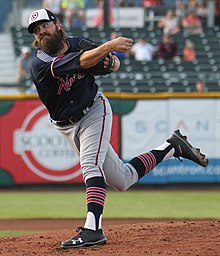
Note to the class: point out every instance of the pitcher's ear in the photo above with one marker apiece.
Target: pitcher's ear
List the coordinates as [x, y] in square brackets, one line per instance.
[58, 25]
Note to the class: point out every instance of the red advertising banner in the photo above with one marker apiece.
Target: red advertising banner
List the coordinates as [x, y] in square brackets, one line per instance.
[32, 151]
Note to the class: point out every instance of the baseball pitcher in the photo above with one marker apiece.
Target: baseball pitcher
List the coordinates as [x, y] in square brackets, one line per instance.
[63, 70]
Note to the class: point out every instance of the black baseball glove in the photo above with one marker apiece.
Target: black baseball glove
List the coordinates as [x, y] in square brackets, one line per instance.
[98, 69]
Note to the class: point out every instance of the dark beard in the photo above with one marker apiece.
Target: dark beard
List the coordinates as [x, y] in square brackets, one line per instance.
[52, 45]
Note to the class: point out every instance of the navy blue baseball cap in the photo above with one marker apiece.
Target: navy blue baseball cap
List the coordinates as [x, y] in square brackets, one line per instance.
[40, 15]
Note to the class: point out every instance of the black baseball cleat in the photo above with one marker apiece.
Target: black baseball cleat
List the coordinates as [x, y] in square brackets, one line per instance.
[184, 149]
[86, 237]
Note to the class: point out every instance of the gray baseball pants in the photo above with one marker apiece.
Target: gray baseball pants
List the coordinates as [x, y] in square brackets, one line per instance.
[90, 138]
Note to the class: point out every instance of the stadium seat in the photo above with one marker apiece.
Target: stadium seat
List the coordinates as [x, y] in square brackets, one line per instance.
[156, 75]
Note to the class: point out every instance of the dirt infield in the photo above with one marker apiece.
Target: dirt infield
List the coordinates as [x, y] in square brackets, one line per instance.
[125, 238]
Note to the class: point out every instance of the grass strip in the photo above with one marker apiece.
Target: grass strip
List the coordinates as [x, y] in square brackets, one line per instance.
[129, 204]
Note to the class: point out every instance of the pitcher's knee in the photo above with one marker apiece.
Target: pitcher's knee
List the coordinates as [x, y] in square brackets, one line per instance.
[90, 171]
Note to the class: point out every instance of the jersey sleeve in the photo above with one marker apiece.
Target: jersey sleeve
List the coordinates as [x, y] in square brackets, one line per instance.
[64, 64]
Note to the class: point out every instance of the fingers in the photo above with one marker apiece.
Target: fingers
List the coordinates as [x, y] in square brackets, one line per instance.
[127, 43]
[122, 44]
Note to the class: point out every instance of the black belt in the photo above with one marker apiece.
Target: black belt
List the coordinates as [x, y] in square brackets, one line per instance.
[72, 120]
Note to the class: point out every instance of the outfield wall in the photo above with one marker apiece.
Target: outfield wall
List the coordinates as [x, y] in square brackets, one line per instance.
[33, 152]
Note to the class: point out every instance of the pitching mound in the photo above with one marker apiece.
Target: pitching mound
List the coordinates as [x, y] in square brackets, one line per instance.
[173, 238]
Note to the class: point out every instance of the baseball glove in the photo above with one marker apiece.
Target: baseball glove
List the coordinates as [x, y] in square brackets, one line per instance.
[98, 69]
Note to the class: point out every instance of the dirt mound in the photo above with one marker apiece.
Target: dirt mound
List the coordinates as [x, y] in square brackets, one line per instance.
[173, 238]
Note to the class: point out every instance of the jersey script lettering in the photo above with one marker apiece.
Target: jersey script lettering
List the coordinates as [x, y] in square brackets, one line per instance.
[67, 83]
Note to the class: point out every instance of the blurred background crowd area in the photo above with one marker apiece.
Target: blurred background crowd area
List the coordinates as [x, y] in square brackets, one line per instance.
[176, 42]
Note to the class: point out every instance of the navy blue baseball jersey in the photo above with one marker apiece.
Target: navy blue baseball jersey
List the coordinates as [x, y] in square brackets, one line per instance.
[63, 87]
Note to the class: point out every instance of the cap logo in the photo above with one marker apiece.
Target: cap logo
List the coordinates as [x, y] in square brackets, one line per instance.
[34, 16]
